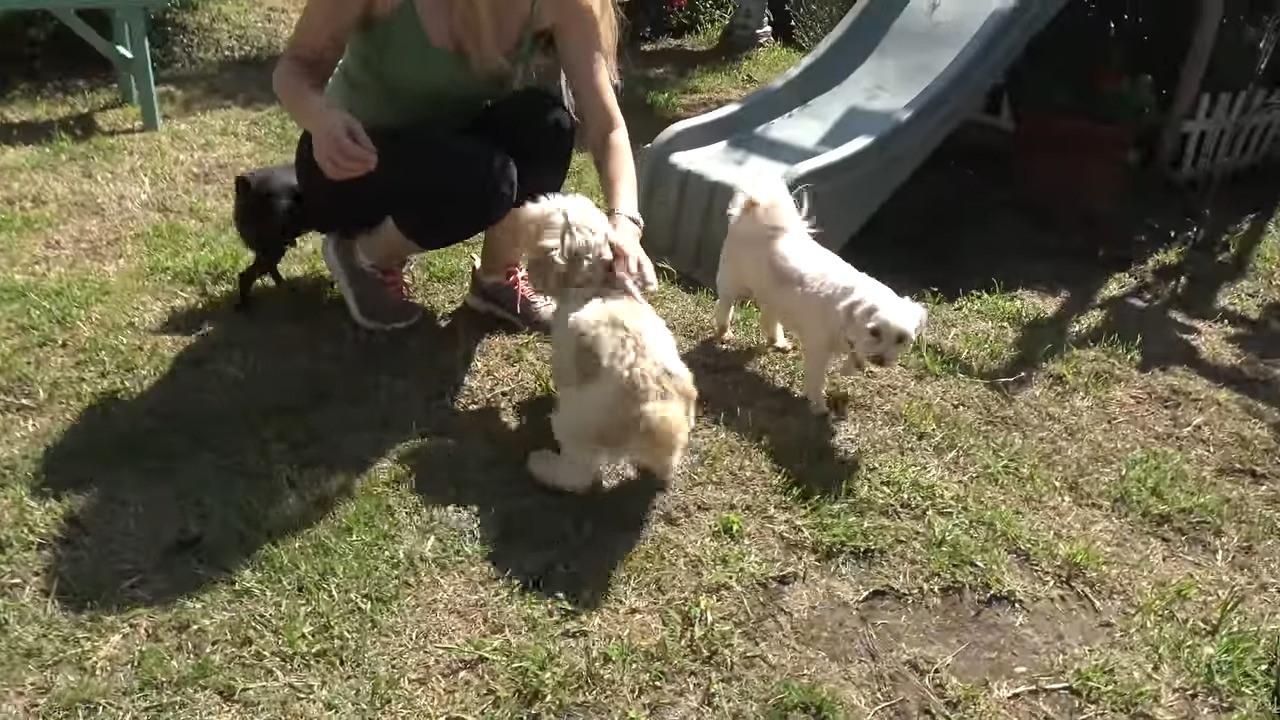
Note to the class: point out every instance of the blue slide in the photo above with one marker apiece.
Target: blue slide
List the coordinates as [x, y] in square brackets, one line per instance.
[849, 123]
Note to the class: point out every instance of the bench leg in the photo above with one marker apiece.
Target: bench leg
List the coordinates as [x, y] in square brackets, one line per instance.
[143, 76]
[120, 36]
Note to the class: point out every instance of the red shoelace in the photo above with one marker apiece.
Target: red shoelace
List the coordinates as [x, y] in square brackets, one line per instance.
[518, 278]
[393, 280]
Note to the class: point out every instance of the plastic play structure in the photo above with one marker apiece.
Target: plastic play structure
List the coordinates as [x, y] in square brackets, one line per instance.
[848, 124]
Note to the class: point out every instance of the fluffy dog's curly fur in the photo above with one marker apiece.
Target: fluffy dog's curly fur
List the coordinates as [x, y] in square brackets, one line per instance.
[834, 309]
[623, 392]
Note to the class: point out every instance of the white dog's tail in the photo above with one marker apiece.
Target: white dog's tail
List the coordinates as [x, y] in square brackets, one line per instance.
[772, 202]
[757, 191]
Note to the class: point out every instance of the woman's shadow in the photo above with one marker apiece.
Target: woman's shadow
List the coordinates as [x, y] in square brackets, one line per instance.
[559, 545]
[253, 432]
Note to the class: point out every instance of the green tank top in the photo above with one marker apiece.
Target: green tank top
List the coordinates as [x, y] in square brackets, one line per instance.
[392, 75]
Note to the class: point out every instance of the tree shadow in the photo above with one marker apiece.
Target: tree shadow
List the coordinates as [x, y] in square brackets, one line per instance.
[558, 545]
[1213, 257]
[1163, 341]
[1225, 250]
[253, 432]
[776, 418]
[1258, 337]
[959, 226]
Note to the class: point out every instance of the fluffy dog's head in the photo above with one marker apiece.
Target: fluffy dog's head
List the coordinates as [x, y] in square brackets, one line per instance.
[768, 202]
[879, 332]
[567, 243]
[268, 207]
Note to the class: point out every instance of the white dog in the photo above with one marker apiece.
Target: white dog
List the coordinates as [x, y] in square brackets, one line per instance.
[622, 391]
[770, 256]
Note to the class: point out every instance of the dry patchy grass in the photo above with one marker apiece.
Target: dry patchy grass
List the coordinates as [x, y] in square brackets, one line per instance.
[1055, 507]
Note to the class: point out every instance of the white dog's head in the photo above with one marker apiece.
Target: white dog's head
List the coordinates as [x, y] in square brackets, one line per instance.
[567, 242]
[879, 332]
[768, 202]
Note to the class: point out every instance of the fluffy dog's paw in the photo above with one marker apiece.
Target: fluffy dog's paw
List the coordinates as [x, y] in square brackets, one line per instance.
[723, 334]
[818, 407]
[542, 465]
[781, 345]
[838, 403]
[548, 471]
[852, 364]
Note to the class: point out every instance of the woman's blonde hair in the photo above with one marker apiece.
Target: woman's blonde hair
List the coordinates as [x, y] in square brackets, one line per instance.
[474, 21]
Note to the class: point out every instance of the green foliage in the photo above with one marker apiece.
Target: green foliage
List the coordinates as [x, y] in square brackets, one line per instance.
[36, 45]
[813, 19]
[693, 17]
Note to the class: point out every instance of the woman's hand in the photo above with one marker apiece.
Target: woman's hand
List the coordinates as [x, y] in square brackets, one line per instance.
[629, 257]
[342, 148]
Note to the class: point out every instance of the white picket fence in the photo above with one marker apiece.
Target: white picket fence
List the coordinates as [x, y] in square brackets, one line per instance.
[1210, 144]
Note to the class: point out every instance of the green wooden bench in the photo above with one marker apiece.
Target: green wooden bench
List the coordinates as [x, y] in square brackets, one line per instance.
[128, 49]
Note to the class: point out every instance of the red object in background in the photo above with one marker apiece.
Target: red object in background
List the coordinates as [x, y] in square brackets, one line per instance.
[676, 4]
[1071, 166]
[1108, 79]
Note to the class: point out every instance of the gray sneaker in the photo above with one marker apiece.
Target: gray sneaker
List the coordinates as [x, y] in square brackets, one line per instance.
[376, 298]
[512, 299]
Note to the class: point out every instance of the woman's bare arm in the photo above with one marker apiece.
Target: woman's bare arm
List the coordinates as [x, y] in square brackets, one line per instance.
[313, 51]
[582, 57]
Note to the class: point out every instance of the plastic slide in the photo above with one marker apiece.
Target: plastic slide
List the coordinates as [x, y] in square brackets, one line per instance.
[848, 124]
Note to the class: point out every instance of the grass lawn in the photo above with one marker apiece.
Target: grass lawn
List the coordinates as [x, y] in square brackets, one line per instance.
[1063, 504]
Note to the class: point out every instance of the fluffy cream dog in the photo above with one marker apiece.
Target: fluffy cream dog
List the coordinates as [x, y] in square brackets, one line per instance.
[622, 391]
[833, 309]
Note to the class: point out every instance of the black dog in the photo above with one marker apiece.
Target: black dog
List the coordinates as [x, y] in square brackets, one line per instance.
[270, 217]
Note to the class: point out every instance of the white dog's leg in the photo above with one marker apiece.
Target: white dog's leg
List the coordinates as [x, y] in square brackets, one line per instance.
[724, 316]
[771, 328]
[664, 468]
[572, 469]
[816, 361]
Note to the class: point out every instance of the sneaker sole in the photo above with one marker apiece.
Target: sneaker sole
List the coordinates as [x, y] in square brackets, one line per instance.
[344, 283]
[484, 306]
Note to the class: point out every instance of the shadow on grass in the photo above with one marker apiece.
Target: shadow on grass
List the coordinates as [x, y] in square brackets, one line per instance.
[76, 127]
[559, 545]
[776, 418]
[243, 82]
[959, 226]
[253, 432]
[1146, 316]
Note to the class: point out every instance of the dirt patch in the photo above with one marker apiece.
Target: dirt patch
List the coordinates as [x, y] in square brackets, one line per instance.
[921, 650]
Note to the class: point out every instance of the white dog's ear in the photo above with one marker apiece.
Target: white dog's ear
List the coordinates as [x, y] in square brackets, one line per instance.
[741, 202]
[859, 314]
[545, 270]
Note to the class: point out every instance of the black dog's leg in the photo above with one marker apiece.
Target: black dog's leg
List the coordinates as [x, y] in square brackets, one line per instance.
[248, 277]
[263, 264]
[269, 263]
